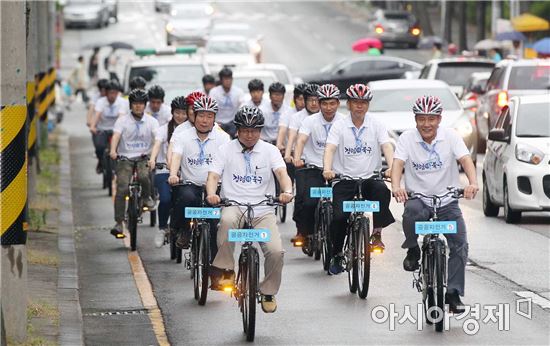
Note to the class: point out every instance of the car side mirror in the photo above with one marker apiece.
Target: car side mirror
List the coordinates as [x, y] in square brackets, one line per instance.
[498, 135]
[478, 89]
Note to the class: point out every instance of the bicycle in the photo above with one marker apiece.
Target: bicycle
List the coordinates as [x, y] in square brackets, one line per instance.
[107, 162]
[245, 289]
[432, 274]
[357, 248]
[321, 242]
[134, 209]
[199, 258]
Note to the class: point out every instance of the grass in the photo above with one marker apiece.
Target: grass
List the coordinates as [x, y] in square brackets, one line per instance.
[38, 309]
[41, 258]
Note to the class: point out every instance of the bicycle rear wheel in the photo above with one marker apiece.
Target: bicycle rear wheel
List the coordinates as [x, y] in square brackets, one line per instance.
[325, 236]
[203, 262]
[316, 243]
[363, 256]
[133, 221]
[351, 247]
[173, 247]
[250, 294]
[439, 285]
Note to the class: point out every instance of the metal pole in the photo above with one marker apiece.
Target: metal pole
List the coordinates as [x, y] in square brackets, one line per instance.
[13, 180]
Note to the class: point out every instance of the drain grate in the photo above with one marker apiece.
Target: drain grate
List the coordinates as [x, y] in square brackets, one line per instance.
[116, 313]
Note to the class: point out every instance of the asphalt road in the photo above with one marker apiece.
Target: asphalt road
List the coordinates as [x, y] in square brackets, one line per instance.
[506, 261]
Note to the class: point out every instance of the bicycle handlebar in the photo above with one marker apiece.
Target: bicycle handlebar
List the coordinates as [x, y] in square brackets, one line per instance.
[135, 159]
[453, 192]
[377, 175]
[270, 201]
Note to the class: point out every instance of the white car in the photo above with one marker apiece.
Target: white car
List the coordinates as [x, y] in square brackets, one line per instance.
[190, 23]
[516, 171]
[178, 73]
[393, 100]
[241, 29]
[228, 50]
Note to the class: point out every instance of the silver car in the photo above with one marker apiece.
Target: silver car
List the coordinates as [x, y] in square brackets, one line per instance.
[92, 13]
[392, 105]
[516, 171]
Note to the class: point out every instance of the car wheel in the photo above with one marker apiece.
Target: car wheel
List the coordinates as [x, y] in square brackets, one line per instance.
[489, 208]
[510, 215]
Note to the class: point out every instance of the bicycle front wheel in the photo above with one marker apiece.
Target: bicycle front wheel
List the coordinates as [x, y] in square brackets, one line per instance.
[203, 262]
[326, 220]
[351, 246]
[439, 284]
[363, 256]
[250, 294]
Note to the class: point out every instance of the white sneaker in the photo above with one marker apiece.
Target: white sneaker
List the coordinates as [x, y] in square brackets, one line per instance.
[159, 238]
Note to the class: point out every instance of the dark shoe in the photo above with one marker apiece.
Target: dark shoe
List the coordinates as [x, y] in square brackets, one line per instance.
[99, 167]
[183, 241]
[336, 265]
[269, 304]
[410, 263]
[455, 304]
[117, 232]
[376, 244]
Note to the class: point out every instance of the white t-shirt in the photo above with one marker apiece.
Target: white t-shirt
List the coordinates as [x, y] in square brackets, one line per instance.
[137, 137]
[161, 135]
[317, 129]
[271, 121]
[194, 165]
[285, 118]
[358, 153]
[248, 102]
[431, 168]
[110, 112]
[248, 183]
[163, 116]
[297, 118]
[228, 103]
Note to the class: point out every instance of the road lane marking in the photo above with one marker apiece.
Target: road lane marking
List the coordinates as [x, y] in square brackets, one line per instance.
[535, 298]
[146, 293]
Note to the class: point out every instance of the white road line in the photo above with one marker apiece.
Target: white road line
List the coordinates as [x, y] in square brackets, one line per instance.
[535, 298]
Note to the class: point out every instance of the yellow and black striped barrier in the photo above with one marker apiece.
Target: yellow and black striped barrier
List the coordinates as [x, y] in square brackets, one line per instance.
[13, 179]
[31, 116]
[50, 98]
[42, 96]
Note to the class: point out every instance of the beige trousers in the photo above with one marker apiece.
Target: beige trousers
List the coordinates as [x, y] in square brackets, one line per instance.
[232, 218]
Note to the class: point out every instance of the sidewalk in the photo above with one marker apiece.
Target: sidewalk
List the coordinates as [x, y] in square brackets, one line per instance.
[53, 311]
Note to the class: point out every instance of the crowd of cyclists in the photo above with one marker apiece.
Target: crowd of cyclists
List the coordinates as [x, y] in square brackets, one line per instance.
[213, 140]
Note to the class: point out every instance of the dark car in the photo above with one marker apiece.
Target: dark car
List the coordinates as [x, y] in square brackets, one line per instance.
[348, 71]
[397, 27]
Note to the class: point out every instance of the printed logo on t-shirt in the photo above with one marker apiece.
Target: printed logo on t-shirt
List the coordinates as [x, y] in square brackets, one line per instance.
[363, 149]
[431, 165]
[200, 161]
[248, 179]
[136, 145]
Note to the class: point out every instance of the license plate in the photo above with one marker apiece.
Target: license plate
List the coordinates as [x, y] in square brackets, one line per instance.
[202, 213]
[240, 235]
[361, 206]
[436, 227]
[320, 192]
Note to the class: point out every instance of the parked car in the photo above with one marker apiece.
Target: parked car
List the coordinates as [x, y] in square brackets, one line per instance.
[89, 13]
[228, 50]
[189, 23]
[392, 104]
[477, 81]
[398, 27]
[163, 6]
[113, 9]
[509, 78]
[348, 71]
[241, 29]
[176, 70]
[455, 71]
[516, 174]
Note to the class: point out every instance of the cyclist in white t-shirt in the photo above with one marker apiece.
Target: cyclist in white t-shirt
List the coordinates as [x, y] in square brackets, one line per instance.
[133, 138]
[156, 107]
[354, 148]
[310, 148]
[256, 91]
[107, 111]
[229, 99]
[299, 104]
[273, 111]
[158, 159]
[429, 156]
[247, 170]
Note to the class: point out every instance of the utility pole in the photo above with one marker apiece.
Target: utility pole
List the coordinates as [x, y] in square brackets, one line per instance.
[13, 180]
[32, 119]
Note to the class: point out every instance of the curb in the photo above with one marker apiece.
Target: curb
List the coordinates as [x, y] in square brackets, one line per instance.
[70, 321]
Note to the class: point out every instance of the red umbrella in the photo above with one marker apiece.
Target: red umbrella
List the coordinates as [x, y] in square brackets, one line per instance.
[364, 44]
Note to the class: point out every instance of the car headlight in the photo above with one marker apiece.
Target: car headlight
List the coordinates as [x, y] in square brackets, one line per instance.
[464, 126]
[529, 154]
[169, 27]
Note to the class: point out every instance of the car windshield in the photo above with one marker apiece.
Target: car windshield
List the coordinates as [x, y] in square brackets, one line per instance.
[228, 47]
[458, 74]
[170, 74]
[401, 100]
[192, 12]
[533, 120]
[242, 82]
[529, 77]
[404, 18]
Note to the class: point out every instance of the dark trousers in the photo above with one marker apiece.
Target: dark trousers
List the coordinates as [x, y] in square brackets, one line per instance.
[82, 91]
[165, 198]
[372, 190]
[416, 210]
[101, 140]
[304, 205]
[190, 196]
